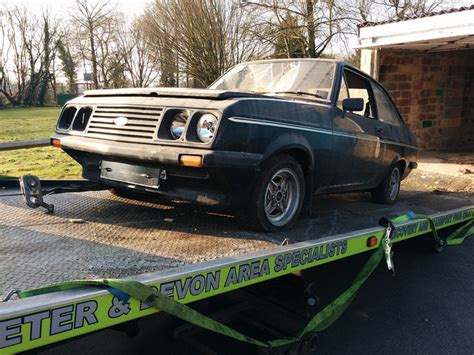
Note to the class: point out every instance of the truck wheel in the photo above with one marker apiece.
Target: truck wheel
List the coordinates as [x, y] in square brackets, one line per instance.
[388, 190]
[278, 194]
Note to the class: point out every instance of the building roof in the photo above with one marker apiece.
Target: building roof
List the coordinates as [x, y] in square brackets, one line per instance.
[437, 31]
[429, 14]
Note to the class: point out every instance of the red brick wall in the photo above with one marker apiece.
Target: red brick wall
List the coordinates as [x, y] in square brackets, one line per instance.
[436, 87]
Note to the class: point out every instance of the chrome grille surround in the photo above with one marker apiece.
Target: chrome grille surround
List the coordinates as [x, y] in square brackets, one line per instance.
[141, 124]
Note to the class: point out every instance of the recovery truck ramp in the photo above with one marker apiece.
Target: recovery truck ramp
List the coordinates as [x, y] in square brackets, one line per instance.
[171, 246]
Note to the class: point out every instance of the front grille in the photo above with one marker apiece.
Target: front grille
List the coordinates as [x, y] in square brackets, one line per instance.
[140, 128]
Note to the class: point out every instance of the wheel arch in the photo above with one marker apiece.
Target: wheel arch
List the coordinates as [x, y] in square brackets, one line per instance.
[294, 145]
[301, 155]
[403, 165]
[401, 161]
[299, 149]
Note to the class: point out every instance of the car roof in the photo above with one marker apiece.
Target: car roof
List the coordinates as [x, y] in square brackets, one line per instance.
[295, 60]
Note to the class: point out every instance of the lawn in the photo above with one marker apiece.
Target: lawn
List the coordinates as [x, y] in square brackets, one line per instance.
[30, 123]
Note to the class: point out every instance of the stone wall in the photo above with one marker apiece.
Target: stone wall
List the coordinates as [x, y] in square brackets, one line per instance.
[434, 93]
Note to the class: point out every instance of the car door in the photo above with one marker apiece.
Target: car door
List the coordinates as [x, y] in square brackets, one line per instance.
[389, 126]
[355, 143]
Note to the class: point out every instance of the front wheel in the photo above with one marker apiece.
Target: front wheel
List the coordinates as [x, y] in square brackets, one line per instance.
[278, 195]
[388, 190]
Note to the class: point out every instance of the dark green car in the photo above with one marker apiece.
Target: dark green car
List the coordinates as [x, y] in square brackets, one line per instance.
[263, 138]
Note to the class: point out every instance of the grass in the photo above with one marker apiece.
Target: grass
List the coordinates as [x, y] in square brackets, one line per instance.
[27, 123]
[30, 123]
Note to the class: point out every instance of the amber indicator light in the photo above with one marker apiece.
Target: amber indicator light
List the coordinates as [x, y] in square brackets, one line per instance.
[191, 160]
[372, 241]
[56, 143]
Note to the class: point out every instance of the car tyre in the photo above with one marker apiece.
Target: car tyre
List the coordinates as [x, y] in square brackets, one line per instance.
[124, 193]
[278, 195]
[132, 195]
[388, 190]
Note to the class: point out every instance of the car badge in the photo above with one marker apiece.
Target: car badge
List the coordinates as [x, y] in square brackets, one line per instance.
[121, 121]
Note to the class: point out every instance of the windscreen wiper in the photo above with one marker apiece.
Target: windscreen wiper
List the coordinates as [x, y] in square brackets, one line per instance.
[300, 93]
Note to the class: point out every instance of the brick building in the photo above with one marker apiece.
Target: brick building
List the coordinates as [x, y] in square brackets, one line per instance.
[427, 65]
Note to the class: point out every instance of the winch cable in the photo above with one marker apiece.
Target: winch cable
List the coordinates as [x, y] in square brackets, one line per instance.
[125, 289]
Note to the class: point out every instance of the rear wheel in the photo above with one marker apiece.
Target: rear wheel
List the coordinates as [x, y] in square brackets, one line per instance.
[278, 195]
[388, 190]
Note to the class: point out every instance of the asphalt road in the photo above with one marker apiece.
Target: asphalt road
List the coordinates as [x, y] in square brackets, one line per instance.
[427, 308]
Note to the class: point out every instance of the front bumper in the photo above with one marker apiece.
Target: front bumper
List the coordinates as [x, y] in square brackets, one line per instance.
[168, 155]
[225, 178]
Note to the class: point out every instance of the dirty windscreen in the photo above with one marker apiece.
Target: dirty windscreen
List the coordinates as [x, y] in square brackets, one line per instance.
[305, 77]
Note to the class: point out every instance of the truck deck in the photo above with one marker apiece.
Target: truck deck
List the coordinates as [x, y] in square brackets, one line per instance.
[181, 250]
[99, 235]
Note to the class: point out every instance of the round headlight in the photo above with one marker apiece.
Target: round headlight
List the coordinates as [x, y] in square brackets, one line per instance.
[206, 127]
[177, 125]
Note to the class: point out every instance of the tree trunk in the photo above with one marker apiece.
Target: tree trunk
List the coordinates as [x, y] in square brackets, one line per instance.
[43, 88]
[311, 28]
[28, 100]
[11, 99]
[93, 58]
[45, 65]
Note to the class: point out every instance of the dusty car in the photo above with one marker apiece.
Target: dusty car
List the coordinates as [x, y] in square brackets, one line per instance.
[264, 138]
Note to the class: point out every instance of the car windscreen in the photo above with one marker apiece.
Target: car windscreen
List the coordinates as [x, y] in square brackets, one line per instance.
[304, 77]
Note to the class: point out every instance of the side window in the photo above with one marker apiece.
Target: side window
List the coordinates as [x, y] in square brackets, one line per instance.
[386, 112]
[359, 87]
[343, 93]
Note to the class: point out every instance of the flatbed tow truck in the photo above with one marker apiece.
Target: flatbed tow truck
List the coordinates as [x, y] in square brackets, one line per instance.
[187, 252]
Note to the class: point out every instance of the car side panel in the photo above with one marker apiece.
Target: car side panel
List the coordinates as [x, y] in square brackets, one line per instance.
[357, 150]
[271, 126]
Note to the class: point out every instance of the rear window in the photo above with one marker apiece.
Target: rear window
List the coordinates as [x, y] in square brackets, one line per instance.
[386, 111]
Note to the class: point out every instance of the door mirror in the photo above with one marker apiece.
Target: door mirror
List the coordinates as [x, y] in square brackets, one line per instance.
[355, 104]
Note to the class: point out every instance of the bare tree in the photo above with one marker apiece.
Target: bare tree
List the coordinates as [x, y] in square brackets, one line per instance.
[30, 39]
[68, 63]
[28, 48]
[136, 55]
[13, 64]
[401, 9]
[98, 29]
[313, 23]
[383, 10]
[289, 39]
[21, 53]
[364, 10]
[46, 76]
[201, 38]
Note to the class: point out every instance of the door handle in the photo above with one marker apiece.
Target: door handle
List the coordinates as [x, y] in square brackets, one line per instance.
[379, 129]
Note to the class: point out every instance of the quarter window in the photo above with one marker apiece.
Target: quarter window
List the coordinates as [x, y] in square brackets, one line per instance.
[343, 93]
[386, 112]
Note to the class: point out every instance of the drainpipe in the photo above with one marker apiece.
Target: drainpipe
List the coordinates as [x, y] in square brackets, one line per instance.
[375, 66]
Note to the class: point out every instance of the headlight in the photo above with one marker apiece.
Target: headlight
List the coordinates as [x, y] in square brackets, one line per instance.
[206, 127]
[177, 125]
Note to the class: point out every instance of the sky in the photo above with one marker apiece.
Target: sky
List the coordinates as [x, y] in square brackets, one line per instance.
[133, 8]
[130, 8]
